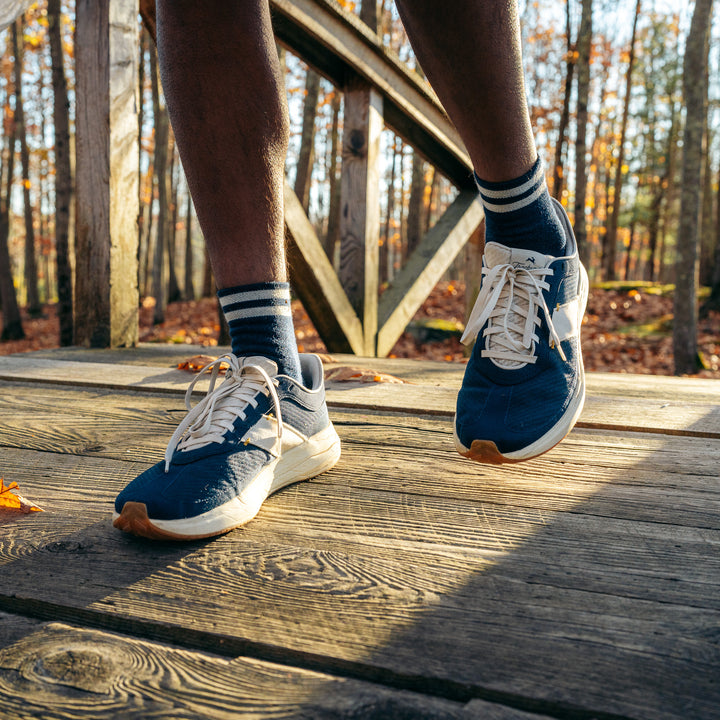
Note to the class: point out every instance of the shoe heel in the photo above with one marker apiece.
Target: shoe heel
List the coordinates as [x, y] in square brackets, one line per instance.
[316, 455]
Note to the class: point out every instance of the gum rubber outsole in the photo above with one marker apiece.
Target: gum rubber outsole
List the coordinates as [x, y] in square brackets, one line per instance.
[486, 451]
[134, 520]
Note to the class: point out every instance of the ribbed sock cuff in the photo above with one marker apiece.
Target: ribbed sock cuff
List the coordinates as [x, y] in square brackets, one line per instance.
[520, 213]
[259, 318]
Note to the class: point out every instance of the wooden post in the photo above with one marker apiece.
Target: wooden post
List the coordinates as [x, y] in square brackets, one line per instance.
[360, 205]
[106, 297]
[360, 196]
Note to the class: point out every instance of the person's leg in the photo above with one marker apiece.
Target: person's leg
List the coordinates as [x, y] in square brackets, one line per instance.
[227, 104]
[266, 425]
[470, 51]
[524, 385]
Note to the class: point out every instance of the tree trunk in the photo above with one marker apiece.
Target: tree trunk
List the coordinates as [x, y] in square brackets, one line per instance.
[63, 175]
[12, 328]
[630, 248]
[34, 308]
[386, 270]
[707, 220]
[583, 81]
[141, 252]
[613, 224]
[306, 155]
[713, 301]
[415, 203]
[148, 227]
[661, 194]
[333, 229]
[432, 198]
[189, 264]
[695, 92]
[174, 293]
[558, 165]
[159, 270]
[44, 272]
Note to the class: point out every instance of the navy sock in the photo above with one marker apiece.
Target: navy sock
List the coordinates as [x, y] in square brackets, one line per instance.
[260, 322]
[519, 213]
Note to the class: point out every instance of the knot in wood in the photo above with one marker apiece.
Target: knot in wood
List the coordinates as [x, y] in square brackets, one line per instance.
[357, 142]
[81, 667]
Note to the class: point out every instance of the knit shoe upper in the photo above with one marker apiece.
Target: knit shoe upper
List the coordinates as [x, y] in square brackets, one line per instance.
[524, 384]
[251, 435]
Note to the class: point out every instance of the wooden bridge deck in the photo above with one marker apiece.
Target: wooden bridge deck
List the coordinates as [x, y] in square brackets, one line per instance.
[406, 583]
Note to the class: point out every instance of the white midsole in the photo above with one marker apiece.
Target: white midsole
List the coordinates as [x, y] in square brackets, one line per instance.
[317, 454]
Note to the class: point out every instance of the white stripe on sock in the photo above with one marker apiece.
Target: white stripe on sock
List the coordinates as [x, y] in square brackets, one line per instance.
[536, 177]
[253, 295]
[266, 311]
[493, 207]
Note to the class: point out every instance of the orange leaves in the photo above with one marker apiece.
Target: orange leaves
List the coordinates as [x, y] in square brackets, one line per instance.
[12, 501]
[346, 373]
[197, 362]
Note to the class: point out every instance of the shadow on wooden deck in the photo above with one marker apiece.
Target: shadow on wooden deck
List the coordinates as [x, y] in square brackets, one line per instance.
[405, 583]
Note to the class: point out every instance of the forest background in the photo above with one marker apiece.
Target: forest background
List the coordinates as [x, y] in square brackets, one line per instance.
[611, 83]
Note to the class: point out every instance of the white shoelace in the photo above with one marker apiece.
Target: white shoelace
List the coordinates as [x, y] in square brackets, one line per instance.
[510, 298]
[216, 413]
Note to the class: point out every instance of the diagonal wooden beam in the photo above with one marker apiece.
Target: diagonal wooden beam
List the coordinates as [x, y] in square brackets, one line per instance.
[425, 267]
[340, 46]
[314, 280]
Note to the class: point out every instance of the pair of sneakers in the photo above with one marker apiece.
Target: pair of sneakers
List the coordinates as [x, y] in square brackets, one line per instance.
[258, 431]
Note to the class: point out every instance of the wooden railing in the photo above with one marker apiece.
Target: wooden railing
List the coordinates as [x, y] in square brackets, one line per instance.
[345, 307]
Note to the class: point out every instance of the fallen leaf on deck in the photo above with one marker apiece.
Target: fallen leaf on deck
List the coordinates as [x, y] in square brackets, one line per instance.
[325, 358]
[346, 373]
[12, 501]
[196, 363]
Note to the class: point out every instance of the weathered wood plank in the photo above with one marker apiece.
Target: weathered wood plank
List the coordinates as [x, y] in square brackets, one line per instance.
[360, 205]
[15, 627]
[561, 610]
[106, 294]
[420, 372]
[339, 45]
[437, 249]
[388, 551]
[61, 671]
[316, 283]
[673, 406]
[136, 426]
[635, 479]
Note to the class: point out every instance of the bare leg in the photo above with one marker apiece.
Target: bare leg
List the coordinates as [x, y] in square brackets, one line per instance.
[227, 105]
[470, 52]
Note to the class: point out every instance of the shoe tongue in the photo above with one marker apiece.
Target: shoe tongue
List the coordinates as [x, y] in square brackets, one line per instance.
[496, 254]
[269, 366]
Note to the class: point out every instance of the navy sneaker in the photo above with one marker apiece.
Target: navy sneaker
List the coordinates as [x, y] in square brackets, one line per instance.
[252, 435]
[524, 384]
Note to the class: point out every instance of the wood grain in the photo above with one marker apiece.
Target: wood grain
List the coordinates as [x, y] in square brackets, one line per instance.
[525, 602]
[106, 178]
[135, 427]
[691, 409]
[360, 204]
[61, 671]
[583, 584]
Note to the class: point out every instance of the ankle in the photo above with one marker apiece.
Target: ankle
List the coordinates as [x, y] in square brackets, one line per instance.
[519, 213]
[260, 322]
